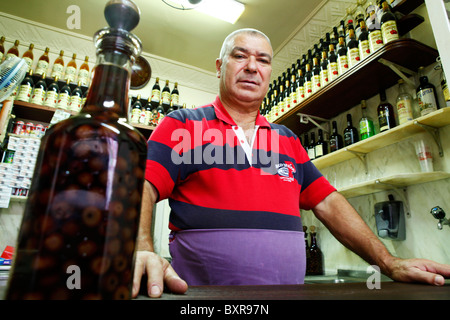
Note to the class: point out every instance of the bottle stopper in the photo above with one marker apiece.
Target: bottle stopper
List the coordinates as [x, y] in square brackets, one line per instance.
[122, 14]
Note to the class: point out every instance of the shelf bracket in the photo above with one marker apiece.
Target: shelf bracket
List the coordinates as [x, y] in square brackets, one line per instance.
[399, 70]
[306, 118]
[434, 132]
[401, 192]
[361, 156]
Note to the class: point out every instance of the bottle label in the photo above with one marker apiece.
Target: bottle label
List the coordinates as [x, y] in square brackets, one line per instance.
[311, 153]
[51, 98]
[324, 77]
[316, 83]
[24, 92]
[333, 143]
[175, 98]
[445, 90]
[29, 62]
[38, 96]
[156, 95]
[389, 31]
[383, 120]
[83, 76]
[294, 98]
[427, 101]
[366, 129]
[143, 118]
[404, 110]
[353, 57]
[348, 138]
[57, 70]
[135, 115]
[308, 89]
[342, 64]
[375, 40]
[63, 100]
[70, 74]
[41, 67]
[333, 71]
[300, 93]
[75, 103]
[1, 56]
[364, 49]
[165, 96]
[318, 150]
[287, 104]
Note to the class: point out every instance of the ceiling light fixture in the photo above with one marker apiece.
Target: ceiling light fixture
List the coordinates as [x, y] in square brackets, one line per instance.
[226, 10]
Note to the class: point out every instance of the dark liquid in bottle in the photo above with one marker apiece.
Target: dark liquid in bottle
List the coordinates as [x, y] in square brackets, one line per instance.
[81, 219]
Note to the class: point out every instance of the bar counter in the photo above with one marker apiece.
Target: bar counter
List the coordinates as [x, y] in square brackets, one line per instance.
[389, 290]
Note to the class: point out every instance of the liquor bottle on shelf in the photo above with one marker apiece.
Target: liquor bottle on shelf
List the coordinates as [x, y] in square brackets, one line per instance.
[386, 116]
[314, 265]
[43, 62]
[353, 49]
[321, 147]
[165, 94]
[175, 95]
[342, 56]
[51, 97]
[58, 66]
[388, 24]
[336, 141]
[28, 56]
[374, 28]
[156, 93]
[293, 98]
[75, 98]
[161, 112]
[349, 24]
[97, 158]
[363, 41]
[13, 51]
[324, 69]
[300, 86]
[280, 100]
[308, 81]
[171, 108]
[306, 144]
[286, 96]
[312, 147]
[334, 37]
[360, 15]
[2, 48]
[71, 69]
[83, 73]
[316, 75]
[426, 95]
[148, 112]
[26, 88]
[39, 90]
[136, 109]
[64, 97]
[350, 132]
[404, 103]
[333, 70]
[366, 126]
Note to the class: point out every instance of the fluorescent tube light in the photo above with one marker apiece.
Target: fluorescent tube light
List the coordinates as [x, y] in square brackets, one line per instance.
[226, 10]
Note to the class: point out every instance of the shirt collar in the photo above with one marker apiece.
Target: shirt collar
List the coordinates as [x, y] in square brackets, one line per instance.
[222, 114]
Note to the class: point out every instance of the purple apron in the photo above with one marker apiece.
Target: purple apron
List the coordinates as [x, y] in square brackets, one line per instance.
[239, 256]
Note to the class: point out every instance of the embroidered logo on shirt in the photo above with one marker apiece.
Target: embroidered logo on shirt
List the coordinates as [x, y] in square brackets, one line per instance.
[286, 171]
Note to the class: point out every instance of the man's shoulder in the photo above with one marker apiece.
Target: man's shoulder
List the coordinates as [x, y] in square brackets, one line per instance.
[194, 114]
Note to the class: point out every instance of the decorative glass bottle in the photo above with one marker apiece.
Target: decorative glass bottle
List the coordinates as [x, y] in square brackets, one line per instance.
[78, 233]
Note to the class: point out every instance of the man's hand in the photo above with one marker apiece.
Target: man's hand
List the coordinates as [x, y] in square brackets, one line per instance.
[159, 272]
[419, 270]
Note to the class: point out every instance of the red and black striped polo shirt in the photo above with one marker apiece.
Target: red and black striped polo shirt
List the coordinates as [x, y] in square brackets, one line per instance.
[215, 179]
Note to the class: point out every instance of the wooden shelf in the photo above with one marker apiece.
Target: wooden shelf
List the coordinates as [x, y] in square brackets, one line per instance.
[36, 112]
[391, 182]
[436, 119]
[360, 82]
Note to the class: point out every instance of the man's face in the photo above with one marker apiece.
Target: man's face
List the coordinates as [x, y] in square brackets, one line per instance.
[245, 74]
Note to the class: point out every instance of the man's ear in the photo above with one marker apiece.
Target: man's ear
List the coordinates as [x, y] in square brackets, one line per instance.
[218, 66]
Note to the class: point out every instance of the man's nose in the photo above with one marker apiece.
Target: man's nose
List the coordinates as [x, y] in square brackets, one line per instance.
[251, 64]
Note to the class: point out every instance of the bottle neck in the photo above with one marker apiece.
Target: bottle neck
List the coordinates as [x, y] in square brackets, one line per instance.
[110, 84]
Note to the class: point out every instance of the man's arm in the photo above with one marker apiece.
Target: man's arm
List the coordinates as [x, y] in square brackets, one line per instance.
[336, 213]
[158, 270]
